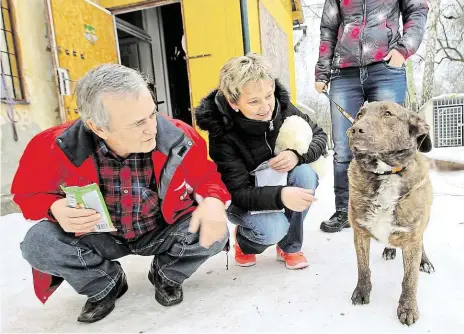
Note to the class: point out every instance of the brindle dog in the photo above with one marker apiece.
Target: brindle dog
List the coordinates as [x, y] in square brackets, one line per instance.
[390, 195]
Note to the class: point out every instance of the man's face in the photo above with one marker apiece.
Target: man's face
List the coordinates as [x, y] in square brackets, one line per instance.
[132, 124]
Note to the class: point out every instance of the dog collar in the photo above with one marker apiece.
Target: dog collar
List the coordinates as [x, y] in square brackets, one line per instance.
[395, 170]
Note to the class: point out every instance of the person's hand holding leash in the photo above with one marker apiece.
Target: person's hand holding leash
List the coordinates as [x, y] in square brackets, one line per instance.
[210, 219]
[73, 219]
[320, 86]
[284, 161]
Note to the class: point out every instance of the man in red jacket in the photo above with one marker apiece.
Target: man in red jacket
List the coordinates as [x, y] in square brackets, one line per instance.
[164, 197]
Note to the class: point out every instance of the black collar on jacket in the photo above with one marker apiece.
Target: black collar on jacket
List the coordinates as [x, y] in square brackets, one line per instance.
[256, 128]
[77, 142]
[216, 116]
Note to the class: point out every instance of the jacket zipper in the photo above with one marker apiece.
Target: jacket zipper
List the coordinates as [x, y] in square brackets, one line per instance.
[265, 139]
[364, 20]
[167, 160]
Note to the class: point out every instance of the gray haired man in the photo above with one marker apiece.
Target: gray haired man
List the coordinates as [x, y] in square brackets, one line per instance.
[156, 180]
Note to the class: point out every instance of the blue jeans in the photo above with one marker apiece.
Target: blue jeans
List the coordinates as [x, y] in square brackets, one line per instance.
[263, 230]
[350, 88]
[87, 262]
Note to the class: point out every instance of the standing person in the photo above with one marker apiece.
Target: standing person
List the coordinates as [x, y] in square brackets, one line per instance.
[164, 197]
[362, 55]
[243, 118]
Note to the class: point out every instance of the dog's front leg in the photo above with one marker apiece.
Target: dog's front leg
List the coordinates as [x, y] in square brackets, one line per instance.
[407, 308]
[362, 243]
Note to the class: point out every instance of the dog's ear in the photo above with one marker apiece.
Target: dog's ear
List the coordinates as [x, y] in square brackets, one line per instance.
[421, 131]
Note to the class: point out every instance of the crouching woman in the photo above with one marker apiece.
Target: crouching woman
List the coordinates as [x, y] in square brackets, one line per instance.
[243, 118]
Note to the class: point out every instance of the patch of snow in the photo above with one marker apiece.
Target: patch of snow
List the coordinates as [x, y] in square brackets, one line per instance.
[455, 154]
[266, 297]
[448, 95]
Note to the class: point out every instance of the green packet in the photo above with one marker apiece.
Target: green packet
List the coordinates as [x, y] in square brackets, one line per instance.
[90, 197]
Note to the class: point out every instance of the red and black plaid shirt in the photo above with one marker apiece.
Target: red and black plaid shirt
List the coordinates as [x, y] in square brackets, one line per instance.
[129, 189]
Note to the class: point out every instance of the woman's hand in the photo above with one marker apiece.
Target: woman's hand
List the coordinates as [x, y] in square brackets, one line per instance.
[297, 199]
[285, 161]
[320, 86]
[394, 58]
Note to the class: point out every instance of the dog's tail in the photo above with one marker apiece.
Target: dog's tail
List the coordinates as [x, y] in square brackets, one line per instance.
[445, 166]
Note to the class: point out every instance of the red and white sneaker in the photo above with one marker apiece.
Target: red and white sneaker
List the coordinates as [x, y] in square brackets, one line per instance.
[243, 260]
[292, 260]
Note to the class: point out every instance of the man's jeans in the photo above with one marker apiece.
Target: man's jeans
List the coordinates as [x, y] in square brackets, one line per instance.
[266, 229]
[350, 88]
[85, 262]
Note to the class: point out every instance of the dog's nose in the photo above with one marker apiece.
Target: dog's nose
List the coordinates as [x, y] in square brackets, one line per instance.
[357, 129]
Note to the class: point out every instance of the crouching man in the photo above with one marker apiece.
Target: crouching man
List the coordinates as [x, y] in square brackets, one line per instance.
[164, 197]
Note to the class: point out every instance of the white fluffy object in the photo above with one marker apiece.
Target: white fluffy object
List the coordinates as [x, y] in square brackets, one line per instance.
[296, 134]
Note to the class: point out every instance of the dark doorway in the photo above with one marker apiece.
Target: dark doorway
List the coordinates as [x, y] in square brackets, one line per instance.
[176, 62]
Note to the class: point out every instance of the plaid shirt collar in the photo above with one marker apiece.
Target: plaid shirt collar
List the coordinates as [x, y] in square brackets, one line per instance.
[103, 150]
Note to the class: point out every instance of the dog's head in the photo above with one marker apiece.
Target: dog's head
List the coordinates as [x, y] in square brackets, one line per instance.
[386, 135]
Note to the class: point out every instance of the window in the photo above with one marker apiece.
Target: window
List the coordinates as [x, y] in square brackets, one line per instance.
[11, 75]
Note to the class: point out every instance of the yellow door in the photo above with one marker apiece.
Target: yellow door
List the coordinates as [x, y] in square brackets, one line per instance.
[83, 35]
[213, 34]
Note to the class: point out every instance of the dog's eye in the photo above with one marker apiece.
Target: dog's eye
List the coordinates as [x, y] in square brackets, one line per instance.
[387, 114]
[358, 116]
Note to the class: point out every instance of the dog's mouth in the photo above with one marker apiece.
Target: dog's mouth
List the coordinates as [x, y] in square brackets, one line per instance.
[365, 151]
[396, 153]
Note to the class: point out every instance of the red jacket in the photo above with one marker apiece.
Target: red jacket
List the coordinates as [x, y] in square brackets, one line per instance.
[62, 155]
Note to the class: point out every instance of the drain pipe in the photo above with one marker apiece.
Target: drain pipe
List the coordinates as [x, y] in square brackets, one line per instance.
[245, 31]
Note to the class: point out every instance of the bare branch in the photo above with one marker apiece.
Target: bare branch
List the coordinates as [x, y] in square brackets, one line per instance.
[421, 58]
[313, 10]
[447, 48]
[460, 5]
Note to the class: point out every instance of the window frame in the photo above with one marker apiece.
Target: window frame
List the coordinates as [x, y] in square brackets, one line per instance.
[10, 10]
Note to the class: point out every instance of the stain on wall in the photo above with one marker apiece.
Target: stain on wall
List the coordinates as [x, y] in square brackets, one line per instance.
[41, 110]
[274, 45]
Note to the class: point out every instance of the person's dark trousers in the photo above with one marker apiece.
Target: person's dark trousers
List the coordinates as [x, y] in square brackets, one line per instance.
[350, 88]
[86, 262]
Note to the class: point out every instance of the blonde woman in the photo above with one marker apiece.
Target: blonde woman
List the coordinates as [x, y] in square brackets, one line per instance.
[243, 117]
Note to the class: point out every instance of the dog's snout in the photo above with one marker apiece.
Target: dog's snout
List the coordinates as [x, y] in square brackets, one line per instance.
[357, 129]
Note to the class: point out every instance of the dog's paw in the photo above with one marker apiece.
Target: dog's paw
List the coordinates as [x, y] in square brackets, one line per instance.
[389, 253]
[360, 296]
[407, 315]
[427, 267]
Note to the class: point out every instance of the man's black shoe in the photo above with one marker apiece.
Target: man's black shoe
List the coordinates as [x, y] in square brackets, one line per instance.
[336, 223]
[165, 294]
[94, 311]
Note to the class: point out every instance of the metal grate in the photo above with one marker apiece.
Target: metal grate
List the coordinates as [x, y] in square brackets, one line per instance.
[448, 119]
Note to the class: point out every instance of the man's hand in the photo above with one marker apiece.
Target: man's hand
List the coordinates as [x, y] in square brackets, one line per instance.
[395, 58]
[297, 199]
[284, 161]
[210, 219]
[320, 86]
[74, 220]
